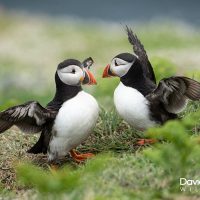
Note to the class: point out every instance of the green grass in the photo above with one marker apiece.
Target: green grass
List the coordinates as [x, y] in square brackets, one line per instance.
[132, 173]
[127, 172]
[30, 50]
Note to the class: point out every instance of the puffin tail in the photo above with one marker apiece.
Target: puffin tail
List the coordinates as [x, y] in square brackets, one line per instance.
[39, 146]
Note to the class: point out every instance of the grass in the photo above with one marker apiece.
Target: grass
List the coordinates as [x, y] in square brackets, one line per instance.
[132, 173]
[126, 172]
[121, 169]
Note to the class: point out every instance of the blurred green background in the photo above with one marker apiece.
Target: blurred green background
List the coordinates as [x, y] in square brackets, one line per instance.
[32, 46]
[35, 36]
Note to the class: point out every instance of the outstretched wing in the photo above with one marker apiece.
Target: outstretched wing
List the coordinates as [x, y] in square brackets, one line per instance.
[139, 50]
[174, 92]
[29, 117]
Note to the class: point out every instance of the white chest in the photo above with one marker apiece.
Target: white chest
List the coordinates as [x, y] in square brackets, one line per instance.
[132, 106]
[76, 118]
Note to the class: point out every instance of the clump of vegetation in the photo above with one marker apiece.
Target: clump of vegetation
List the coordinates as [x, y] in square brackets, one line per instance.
[151, 173]
[178, 155]
[66, 180]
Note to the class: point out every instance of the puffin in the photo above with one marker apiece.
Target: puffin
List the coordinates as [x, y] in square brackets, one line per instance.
[66, 121]
[138, 99]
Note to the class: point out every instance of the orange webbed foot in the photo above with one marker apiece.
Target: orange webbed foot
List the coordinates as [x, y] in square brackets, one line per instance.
[143, 142]
[80, 157]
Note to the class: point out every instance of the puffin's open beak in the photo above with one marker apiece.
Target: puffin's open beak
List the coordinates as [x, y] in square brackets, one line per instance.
[89, 78]
[107, 72]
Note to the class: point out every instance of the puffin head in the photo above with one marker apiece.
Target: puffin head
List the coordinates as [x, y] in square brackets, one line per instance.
[120, 65]
[73, 72]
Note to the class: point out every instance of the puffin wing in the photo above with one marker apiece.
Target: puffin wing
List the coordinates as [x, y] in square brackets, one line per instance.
[139, 50]
[29, 117]
[174, 92]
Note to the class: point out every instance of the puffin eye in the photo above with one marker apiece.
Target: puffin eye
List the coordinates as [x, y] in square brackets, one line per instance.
[116, 63]
[73, 71]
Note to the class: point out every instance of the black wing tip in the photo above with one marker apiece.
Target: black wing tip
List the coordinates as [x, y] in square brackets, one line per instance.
[131, 35]
[192, 91]
[133, 39]
[187, 78]
[128, 29]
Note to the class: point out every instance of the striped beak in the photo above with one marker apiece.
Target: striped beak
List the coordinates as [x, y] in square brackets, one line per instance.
[89, 78]
[107, 72]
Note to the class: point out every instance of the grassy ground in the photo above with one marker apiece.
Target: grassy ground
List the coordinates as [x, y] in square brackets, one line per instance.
[30, 50]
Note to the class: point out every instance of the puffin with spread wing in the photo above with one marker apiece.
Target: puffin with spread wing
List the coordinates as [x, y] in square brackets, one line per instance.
[66, 121]
[137, 98]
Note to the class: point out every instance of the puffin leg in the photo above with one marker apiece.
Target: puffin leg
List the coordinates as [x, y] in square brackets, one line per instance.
[143, 142]
[80, 157]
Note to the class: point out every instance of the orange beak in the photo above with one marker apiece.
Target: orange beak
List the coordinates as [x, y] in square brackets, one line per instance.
[107, 72]
[89, 78]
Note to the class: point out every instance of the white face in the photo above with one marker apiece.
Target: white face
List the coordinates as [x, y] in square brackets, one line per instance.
[120, 67]
[71, 75]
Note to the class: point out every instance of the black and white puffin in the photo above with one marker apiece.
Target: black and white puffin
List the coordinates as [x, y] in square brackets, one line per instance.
[137, 98]
[66, 121]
